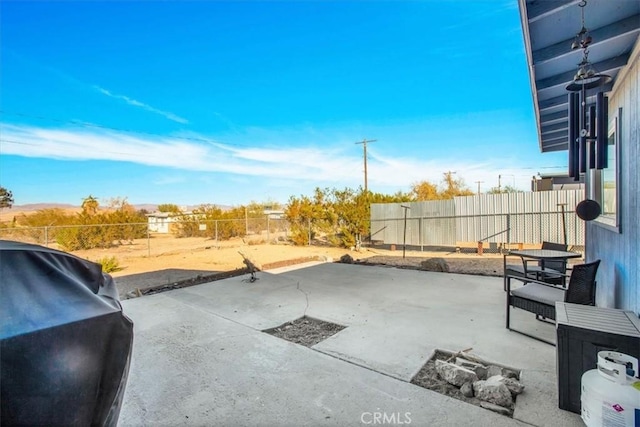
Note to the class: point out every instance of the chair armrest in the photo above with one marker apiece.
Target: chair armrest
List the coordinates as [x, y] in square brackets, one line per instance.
[526, 280]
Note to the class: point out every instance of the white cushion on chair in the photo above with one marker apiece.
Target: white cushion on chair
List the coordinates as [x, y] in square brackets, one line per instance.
[540, 293]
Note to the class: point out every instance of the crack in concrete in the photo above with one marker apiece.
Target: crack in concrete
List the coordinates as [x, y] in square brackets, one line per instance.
[306, 296]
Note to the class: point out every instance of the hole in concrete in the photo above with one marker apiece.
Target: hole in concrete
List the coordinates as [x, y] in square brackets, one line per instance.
[461, 385]
[306, 331]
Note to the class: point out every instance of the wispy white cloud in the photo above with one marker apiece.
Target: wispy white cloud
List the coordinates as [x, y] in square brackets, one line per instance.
[321, 163]
[142, 105]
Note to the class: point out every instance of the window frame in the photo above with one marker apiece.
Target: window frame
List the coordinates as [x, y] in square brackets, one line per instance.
[610, 222]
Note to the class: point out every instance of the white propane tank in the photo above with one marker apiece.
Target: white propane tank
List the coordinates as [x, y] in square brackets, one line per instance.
[611, 394]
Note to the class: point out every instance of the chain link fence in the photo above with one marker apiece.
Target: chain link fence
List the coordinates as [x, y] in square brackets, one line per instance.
[494, 233]
[74, 238]
[78, 237]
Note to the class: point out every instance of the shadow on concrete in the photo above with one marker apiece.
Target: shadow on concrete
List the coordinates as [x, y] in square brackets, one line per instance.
[171, 278]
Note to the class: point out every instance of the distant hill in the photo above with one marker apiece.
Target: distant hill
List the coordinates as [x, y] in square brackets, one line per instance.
[38, 206]
[149, 207]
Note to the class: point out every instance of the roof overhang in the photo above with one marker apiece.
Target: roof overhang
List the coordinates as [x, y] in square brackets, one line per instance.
[549, 28]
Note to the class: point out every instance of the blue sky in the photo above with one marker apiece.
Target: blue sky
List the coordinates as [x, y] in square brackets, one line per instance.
[231, 102]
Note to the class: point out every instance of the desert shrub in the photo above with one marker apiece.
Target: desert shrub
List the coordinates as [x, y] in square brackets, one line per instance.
[84, 237]
[300, 234]
[221, 224]
[230, 228]
[88, 229]
[187, 226]
[109, 264]
[341, 216]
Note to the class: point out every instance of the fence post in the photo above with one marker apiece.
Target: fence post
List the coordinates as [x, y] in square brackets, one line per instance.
[309, 221]
[564, 224]
[268, 230]
[420, 231]
[508, 232]
[46, 236]
[148, 243]
[216, 232]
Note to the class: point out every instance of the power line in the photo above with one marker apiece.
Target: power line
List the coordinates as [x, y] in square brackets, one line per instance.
[364, 146]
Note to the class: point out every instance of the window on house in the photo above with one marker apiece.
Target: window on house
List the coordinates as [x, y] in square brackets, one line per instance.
[608, 183]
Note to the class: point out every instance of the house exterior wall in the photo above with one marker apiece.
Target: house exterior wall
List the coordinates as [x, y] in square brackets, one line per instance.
[619, 276]
[159, 224]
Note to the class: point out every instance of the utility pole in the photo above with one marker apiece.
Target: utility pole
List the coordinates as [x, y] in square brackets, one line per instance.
[364, 146]
[479, 182]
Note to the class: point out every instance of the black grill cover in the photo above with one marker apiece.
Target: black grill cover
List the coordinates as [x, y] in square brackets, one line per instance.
[65, 343]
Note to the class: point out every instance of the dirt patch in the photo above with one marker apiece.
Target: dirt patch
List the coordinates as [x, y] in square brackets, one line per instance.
[305, 331]
[474, 264]
[288, 262]
[198, 280]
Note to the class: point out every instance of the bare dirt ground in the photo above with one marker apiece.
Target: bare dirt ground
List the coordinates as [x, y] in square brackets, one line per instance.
[305, 331]
[168, 262]
[207, 255]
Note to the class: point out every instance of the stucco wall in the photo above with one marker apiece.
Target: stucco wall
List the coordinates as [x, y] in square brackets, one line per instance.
[619, 272]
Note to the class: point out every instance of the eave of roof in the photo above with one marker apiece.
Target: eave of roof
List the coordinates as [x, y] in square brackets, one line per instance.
[549, 27]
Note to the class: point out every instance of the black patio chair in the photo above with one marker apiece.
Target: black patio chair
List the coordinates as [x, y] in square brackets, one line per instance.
[554, 270]
[540, 297]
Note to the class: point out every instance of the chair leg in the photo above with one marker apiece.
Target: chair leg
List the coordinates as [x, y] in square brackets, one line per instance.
[508, 317]
[508, 290]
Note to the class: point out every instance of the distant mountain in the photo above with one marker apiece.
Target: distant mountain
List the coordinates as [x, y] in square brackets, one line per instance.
[149, 207]
[38, 206]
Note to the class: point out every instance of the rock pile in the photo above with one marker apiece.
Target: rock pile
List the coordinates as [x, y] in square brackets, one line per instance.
[435, 264]
[494, 386]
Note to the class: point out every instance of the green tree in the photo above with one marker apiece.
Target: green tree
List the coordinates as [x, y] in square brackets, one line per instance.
[505, 189]
[448, 189]
[425, 190]
[454, 187]
[6, 198]
[169, 207]
[300, 212]
[90, 205]
[341, 217]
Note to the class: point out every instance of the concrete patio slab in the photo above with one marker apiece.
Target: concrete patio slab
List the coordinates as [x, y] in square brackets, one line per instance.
[200, 357]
